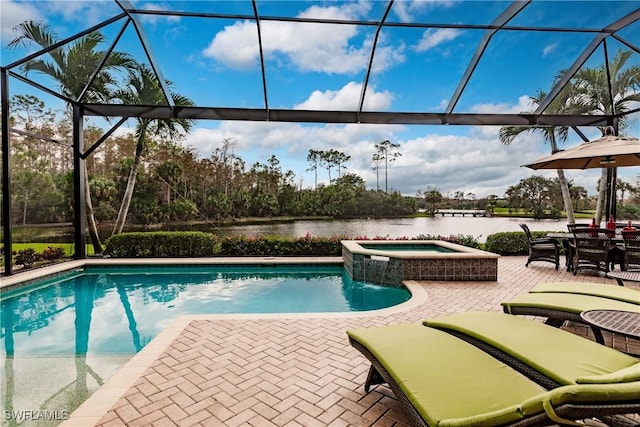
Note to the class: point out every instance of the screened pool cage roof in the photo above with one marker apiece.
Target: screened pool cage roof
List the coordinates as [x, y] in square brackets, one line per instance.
[340, 62]
[256, 58]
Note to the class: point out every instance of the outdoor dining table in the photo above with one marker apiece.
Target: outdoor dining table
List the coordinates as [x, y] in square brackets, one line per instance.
[625, 323]
[569, 249]
[621, 276]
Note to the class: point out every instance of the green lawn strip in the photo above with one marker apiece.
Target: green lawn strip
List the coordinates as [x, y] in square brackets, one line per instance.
[522, 213]
[39, 247]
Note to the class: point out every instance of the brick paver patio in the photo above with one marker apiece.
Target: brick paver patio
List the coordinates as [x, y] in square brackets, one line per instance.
[288, 370]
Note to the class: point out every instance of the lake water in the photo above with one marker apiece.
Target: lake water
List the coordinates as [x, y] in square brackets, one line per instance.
[478, 227]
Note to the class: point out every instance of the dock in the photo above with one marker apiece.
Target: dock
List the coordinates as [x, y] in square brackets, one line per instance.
[461, 212]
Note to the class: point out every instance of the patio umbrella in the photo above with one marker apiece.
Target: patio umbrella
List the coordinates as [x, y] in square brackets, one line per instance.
[609, 152]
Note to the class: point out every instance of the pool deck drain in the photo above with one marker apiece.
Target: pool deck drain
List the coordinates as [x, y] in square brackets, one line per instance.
[287, 370]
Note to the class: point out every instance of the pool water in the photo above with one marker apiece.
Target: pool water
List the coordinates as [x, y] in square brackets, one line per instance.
[118, 310]
[424, 247]
[63, 337]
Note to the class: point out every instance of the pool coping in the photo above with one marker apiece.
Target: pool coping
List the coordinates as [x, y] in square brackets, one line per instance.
[92, 410]
[459, 251]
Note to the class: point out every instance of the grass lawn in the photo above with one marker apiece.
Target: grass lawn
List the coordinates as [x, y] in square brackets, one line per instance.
[39, 247]
[521, 213]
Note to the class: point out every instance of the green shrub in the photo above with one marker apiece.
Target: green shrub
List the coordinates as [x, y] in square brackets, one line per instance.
[161, 244]
[460, 239]
[281, 246]
[26, 257]
[197, 244]
[511, 242]
[52, 253]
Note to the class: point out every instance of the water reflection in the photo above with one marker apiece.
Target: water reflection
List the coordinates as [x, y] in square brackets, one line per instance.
[59, 341]
[31, 313]
[478, 227]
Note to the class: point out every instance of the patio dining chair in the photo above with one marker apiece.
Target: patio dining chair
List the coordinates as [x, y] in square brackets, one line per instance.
[542, 249]
[631, 249]
[593, 249]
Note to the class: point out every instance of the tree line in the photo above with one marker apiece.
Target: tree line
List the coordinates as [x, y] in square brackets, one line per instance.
[171, 182]
[132, 181]
[148, 177]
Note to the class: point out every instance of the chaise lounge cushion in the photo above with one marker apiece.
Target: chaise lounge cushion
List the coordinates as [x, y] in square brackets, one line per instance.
[570, 394]
[446, 378]
[558, 355]
[625, 375]
[565, 302]
[594, 289]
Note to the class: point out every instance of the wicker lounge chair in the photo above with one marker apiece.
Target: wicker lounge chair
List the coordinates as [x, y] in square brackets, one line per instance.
[441, 380]
[619, 293]
[542, 249]
[559, 307]
[564, 359]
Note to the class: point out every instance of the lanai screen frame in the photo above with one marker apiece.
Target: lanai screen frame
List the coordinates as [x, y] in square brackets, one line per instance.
[131, 16]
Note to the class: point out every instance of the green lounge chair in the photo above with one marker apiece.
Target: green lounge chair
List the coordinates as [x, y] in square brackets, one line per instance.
[441, 380]
[562, 360]
[559, 307]
[594, 289]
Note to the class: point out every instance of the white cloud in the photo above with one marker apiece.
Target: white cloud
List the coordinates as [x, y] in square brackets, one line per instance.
[432, 38]
[347, 98]
[85, 12]
[468, 159]
[153, 19]
[235, 46]
[549, 48]
[14, 13]
[524, 104]
[407, 10]
[328, 48]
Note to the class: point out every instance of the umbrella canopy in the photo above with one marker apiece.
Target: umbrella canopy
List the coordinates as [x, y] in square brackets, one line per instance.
[608, 151]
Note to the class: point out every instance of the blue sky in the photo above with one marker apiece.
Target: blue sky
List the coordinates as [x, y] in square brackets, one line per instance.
[312, 66]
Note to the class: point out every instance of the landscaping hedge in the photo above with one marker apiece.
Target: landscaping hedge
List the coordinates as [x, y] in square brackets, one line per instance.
[161, 244]
[511, 242]
[199, 244]
[281, 246]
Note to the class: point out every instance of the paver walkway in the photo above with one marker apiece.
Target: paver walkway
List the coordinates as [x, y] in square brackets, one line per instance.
[295, 371]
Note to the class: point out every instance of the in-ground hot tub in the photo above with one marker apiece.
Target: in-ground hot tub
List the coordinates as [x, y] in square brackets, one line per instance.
[390, 262]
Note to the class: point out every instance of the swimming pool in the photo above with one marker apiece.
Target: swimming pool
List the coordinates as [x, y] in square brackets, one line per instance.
[63, 337]
[119, 309]
[426, 247]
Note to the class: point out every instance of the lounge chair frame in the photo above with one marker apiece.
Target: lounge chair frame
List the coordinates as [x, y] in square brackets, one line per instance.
[612, 419]
[377, 373]
[555, 318]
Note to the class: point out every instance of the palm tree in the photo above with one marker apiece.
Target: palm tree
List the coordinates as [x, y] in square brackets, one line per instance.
[387, 151]
[552, 134]
[591, 87]
[143, 88]
[72, 66]
[623, 187]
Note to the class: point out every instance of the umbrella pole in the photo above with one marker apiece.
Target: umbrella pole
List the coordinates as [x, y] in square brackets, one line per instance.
[610, 207]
